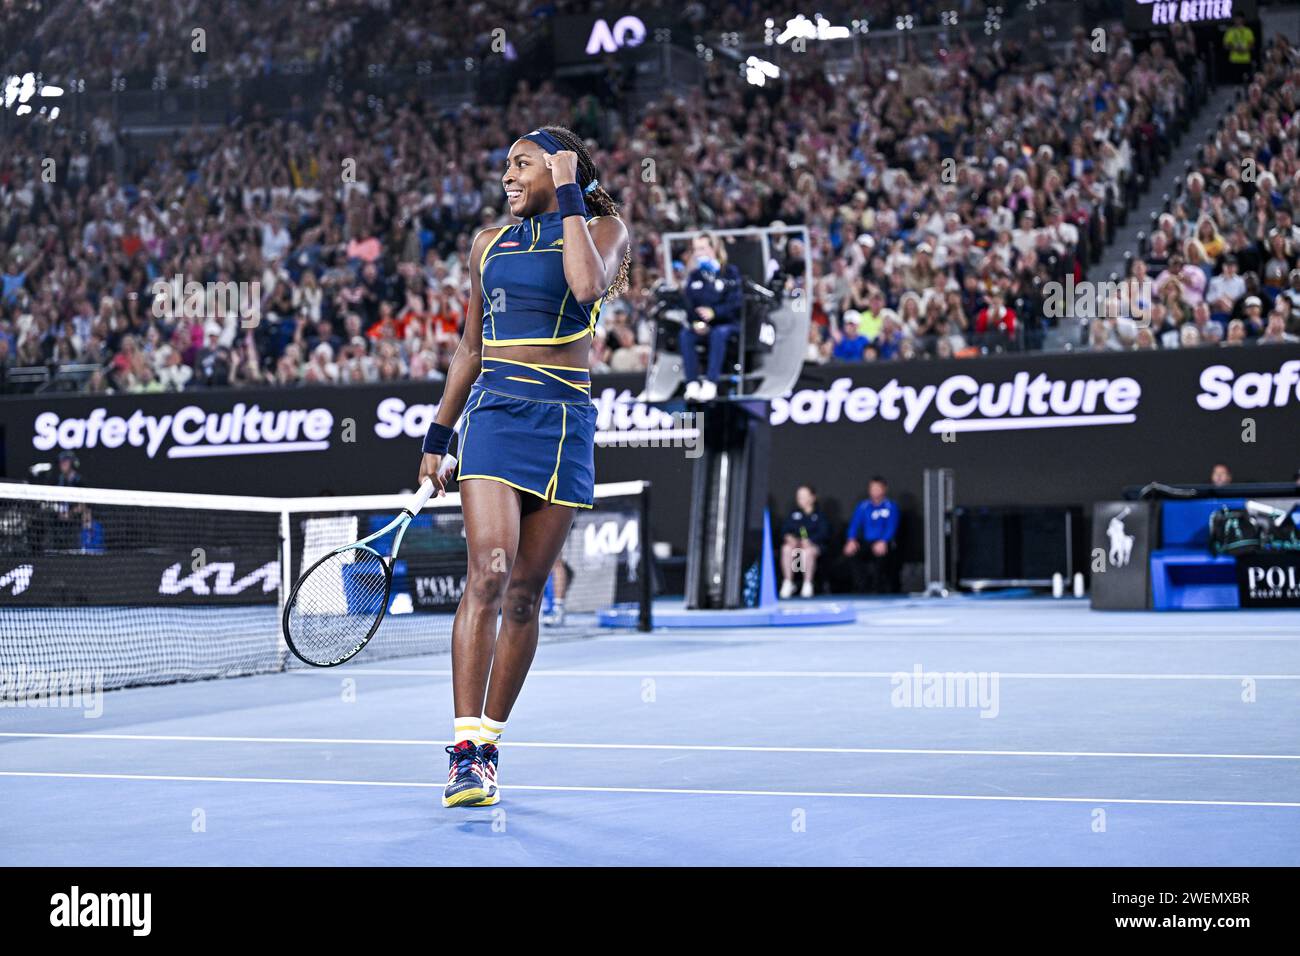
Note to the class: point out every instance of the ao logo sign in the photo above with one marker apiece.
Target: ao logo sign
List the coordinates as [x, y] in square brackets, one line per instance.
[627, 31]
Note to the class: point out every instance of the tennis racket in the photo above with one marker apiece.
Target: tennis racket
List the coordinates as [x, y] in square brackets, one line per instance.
[337, 605]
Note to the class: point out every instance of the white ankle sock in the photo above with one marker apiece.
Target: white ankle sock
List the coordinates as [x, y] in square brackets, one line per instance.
[466, 728]
[490, 730]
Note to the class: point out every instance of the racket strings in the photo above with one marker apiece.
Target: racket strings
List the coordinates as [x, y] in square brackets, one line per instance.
[337, 605]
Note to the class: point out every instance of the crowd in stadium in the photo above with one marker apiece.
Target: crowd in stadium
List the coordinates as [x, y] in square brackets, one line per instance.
[941, 194]
[1220, 266]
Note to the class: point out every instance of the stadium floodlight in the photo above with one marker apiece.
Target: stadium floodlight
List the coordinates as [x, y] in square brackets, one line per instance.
[820, 29]
[758, 71]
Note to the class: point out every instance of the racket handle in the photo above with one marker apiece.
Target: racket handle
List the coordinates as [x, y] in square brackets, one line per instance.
[420, 497]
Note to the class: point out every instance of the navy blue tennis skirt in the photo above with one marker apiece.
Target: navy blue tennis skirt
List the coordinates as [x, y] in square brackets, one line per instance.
[531, 427]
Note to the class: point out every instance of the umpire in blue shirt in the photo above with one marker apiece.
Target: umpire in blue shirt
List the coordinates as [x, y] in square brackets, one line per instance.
[871, 550]
[714, 300]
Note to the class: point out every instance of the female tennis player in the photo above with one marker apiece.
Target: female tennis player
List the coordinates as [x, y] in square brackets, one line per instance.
[520, 376]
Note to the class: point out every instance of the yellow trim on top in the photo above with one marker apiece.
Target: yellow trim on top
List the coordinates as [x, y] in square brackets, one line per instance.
[523, 252]
[482, 264]
[563, 302]
[483, 259]
[527, 381]
[535, 230]
[560, 341]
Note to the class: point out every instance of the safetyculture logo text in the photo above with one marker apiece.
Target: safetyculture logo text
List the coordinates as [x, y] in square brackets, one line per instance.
[1221, 386]
[965, 404]
[191, 431]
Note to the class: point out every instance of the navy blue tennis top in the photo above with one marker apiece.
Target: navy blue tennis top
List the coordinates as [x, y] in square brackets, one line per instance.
[526, 299]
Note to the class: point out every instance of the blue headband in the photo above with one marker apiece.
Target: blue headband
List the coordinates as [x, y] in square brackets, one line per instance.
[545, 140]
[550, 145]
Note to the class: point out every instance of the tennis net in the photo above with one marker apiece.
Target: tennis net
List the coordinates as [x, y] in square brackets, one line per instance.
[148, 588]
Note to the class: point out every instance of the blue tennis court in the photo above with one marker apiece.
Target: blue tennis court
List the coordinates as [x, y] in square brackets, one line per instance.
[959, 732]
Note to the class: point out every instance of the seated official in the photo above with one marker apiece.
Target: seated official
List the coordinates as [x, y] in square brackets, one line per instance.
[871, 551]
[714, 300]
[804, 535]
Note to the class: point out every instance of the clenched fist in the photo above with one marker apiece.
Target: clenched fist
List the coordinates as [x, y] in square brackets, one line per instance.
[563, 166]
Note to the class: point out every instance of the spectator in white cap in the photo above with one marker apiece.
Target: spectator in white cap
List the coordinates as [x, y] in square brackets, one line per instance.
[850, 344]
[1253, 315]
[857, 253]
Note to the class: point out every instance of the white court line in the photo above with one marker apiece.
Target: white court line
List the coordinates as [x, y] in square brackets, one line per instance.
[362, 669]
[675, 790]
[808, 636]
[406, 742]
[813, 635]
[900, 621]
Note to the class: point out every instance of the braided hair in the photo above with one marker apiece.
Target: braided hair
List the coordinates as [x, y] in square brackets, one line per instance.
[598, 200]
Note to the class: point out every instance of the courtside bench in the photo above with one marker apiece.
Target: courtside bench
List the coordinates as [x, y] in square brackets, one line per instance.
[1184, 574]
